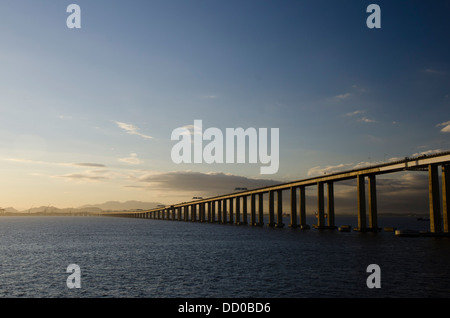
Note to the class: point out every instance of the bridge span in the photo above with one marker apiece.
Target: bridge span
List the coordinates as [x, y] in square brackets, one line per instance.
[234, 207]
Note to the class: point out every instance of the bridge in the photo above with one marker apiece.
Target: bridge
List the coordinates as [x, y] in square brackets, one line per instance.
[234, 208]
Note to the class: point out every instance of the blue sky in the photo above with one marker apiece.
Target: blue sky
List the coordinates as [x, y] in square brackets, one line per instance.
[86, 114]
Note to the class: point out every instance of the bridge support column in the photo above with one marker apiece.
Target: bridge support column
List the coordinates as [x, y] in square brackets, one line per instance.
[320, 206]
[244, 210]
[224, 210]
[293, 222]
[271, 209]
[219, 211]
[302, 207]
[361, 204]
[202, 212]
[231, 210]
[213, 211]
[260, 210]
[435, 208]
[238, 210]
[280, 223]
[330, 205]
[253, 209]
[194, 213]
[446, 196]
[373, 210]
[210, 204]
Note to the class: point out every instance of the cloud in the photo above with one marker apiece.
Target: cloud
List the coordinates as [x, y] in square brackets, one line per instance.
[87, 176]
[343, 96]
[193, 130]
[318, 171]
[356, 112]
[50, 163]
[359, 89]
[446, 126]
[95, 165]
[132, 130]
[360, 119]
[426, 153]
[199, 183]
[367, 120]
[132, 159]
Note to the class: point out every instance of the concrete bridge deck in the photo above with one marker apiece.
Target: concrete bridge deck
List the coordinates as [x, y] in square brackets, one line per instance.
[228, 209]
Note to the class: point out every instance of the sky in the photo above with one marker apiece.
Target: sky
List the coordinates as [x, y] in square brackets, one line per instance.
[87, 114]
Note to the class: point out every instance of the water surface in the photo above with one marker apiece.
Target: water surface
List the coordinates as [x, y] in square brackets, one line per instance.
[126, 257]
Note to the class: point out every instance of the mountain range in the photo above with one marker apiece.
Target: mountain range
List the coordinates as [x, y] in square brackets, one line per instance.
[92, 208]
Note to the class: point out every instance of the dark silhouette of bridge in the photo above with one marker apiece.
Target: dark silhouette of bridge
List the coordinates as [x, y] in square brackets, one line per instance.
[234, 207]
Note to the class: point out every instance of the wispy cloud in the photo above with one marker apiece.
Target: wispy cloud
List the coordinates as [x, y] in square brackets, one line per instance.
[82, 177]
[366, 120]
[446, 126]
[317, 171]
[434, 71]
[51, 163]
[363, 119]
[132, 130]
[356, 112]
[428, 152]
[132, 159]
[199, 183]
[343, 96]
[87, 164]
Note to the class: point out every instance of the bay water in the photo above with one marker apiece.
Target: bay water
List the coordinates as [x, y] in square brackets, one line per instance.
[143, 258]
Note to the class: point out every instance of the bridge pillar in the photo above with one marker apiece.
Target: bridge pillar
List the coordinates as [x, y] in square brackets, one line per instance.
[361, 203]
[219, 211]
[202, 211]
[435, 208]
[293, 222]
[373, 210]
[330, 204]
[446, 196]
[224, 211]
[320, 206]
[260, 210]
[238, 210]
[280, 223]
[231, 210]
[302, 207]
[253, 209]
[210, 203]
[194, 213]
[213, 211]
[271, 209]
[244, 210]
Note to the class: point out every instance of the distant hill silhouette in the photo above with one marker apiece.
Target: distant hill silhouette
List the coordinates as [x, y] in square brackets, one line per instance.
[122, 206]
